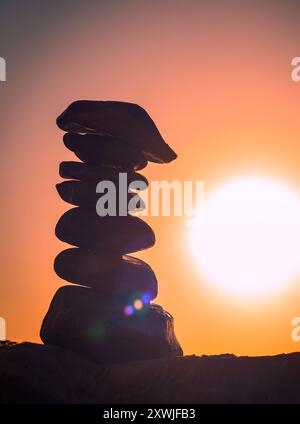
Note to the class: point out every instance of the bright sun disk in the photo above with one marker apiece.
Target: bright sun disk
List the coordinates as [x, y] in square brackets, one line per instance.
[247, 239]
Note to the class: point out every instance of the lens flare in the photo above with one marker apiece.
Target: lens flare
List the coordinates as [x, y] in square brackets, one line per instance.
[146, 298]
[128, 310]
[138, 304]
[97, 331]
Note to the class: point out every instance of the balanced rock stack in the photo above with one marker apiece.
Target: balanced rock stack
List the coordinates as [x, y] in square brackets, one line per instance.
[108, 317]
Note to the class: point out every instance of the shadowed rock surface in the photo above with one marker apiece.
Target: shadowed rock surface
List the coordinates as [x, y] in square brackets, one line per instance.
[83, 194]
[32, 373]
[81, 320]
[123, 234]
[83, 171]
[100, 150]
[127, 122]
[108, 273]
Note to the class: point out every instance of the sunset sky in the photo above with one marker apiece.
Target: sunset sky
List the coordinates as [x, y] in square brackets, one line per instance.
[216, 79]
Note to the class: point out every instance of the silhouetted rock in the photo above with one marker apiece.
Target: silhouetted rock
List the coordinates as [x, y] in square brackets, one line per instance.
[83, 171]
[127, 122]
[32, 373]
[83, 193]
[122, 234]
[123, 277]
[98, 327]
[100, 150]
[110, 319]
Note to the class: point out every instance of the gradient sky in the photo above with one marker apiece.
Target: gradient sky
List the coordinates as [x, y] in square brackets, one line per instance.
[215, 78]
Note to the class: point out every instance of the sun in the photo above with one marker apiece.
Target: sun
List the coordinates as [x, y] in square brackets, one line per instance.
[246, 240]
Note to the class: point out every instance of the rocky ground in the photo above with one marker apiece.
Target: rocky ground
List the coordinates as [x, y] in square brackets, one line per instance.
[32, 373]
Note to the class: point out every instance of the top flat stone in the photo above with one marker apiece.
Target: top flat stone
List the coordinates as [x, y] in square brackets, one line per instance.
[126, 122]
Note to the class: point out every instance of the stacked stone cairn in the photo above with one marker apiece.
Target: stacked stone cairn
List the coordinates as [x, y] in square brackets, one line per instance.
[107, 316]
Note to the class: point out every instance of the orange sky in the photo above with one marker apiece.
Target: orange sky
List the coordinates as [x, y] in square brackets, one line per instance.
[216, 80]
